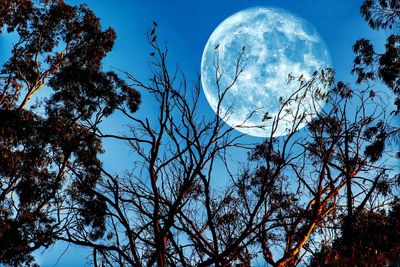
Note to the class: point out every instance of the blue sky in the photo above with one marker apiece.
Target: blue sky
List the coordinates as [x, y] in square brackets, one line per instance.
[186, 26]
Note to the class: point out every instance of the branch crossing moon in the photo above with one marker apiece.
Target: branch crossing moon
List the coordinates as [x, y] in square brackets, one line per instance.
[274, 43]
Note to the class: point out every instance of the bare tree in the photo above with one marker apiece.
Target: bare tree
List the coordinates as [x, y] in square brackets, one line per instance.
[335, 164]
[304, 180]
[185, 201]
[169, 210]
[146, 220]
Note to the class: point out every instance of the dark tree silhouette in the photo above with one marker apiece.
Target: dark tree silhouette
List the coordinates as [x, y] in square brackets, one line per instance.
[366, 234]
[369, 64]
[168, 211]
[319, 172]
[376, 235]
[185, 201]
[147, 222]
[48, 148]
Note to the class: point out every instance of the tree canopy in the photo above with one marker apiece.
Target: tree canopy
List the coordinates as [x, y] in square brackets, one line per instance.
[325, 197]
[49, 154]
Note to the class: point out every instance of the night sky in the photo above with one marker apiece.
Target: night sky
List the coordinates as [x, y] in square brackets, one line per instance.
[185, 25]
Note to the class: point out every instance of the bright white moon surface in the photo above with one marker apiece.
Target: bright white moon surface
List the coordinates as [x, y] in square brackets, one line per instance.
[275, 43]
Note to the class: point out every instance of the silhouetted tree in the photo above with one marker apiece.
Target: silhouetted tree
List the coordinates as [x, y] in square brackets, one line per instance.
[371, 65]
[169, 211]
[148, 222]
[184, 201]
[316, 170]
[376, 235]
[48, 149]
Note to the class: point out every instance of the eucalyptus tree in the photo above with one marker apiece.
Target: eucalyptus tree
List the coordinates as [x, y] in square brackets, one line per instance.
[176, 151]
[169, 209]
[49, 152]
[373, 69]
[369, 64]
[287, 201]
[184, 201]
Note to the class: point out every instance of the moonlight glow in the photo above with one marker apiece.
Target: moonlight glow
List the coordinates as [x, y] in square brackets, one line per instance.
[277, 43]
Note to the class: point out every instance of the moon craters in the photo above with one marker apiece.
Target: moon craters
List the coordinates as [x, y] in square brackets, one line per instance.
[273, 43]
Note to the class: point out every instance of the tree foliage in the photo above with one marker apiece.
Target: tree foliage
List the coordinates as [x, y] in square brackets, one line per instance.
[370, 64]
[292, 191]
[366, 235]
[376, 237]
[185, 201]
[48, 150]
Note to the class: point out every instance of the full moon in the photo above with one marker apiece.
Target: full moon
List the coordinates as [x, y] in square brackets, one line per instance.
[273, 43]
